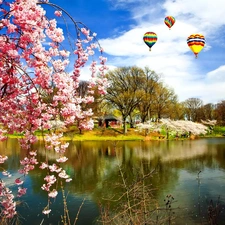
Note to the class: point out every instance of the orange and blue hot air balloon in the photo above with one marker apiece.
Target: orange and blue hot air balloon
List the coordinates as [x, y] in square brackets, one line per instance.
[169, 21]
[196, 43]
[150, 39]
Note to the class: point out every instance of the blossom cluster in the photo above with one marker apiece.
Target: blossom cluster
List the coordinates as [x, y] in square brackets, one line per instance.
[7, 201]
[37, 92]
[176, 126]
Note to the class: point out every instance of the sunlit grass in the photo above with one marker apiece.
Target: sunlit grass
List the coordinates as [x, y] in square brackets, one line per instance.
[111, 134]
[104, 134]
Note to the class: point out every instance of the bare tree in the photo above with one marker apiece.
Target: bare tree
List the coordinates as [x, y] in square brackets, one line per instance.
[164, 101]
[220, 113]
[177, 111]
[208, 111]
[123, 91]
[148, 85]
[193, 109]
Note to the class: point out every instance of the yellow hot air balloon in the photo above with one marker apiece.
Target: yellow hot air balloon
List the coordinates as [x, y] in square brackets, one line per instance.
[196, 43]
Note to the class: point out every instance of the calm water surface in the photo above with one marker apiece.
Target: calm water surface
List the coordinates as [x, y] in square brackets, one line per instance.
[192, 171]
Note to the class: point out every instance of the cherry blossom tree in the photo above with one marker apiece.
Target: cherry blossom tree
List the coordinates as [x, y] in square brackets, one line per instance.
[34, 63]
[184, 126]
[177, 127]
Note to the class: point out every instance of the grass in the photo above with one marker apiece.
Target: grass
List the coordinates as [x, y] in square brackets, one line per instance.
[219, 130]
[103, 134]
[97, 134]
[112, 134]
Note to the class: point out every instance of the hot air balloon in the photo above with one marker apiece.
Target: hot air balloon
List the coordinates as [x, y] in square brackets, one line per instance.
[169, 21]
[196, 42]
[150, 39]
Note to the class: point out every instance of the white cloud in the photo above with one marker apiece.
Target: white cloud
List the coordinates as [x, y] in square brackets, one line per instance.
[171, 56]
[85, 72]
[203, 13]
[217, 76]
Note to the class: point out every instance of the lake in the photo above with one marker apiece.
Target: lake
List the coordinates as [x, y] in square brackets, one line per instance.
[190, 173]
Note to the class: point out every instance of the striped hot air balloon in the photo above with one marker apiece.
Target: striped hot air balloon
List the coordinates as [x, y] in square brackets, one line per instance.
[196, 43]
[150, 39]
[169, 21]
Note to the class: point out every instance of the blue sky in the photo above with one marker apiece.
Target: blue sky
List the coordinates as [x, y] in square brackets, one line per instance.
[121, 24]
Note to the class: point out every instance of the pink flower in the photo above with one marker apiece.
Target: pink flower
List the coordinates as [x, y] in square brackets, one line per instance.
[21, 191]
[53, 193]
[25, 161]
[33, 153]
[45, 187]
[6, 173]
[46, 211]
[33, 161]
[43, 165]
[64, 53]
[85, 31]
[23, 47]
[3, 159]
[18, 181]
[62, 159]
[55, 168]
[63, 175]
[58, 13]
[50, 179]
[8, 206]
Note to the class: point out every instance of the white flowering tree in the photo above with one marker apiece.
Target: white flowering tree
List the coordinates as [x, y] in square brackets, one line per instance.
[33, 61]
[175, 127]
[210, 124]
[184, 127]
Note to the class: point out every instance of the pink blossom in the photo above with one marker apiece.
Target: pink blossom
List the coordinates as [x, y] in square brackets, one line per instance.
[91, 52]
[21, 191]
[46, 187]
[7, 201]
[33, 161]
[3, 159]
[58, 13]
[25, 161]
[32, 61]
[62, 159]
[53, 193]
[63, 174]
[51, 179]
[55, 168]
[18, 181]
[6, 173]
[64, 53]
[85, 31]
[46, 211]
[33, 153]
[43, 165]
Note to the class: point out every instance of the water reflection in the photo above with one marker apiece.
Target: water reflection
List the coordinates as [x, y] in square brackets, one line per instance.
[94, 169]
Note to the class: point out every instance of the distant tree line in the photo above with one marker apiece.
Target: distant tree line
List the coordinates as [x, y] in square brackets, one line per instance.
[139, 94]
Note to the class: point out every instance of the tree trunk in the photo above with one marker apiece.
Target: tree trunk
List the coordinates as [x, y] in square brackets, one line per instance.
[131, 122]
[124, 125]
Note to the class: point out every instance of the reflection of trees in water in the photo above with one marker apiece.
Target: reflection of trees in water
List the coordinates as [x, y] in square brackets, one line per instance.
[91, 162]
[220, 156]
[10, 148]
[94, 169]
[133, 197]
[191, 155]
